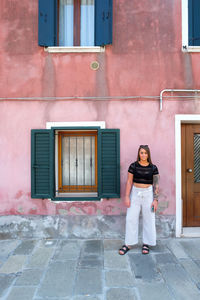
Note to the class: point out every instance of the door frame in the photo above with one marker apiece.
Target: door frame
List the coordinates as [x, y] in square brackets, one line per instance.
[180, 230]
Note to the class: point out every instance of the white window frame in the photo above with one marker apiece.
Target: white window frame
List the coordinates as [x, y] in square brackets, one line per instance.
[49, 125]
[185, 28]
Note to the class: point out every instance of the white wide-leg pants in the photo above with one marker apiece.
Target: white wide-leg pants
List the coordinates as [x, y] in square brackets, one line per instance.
[141, 199]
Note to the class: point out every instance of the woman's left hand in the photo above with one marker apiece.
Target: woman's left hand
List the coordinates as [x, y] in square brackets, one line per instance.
[155, 205]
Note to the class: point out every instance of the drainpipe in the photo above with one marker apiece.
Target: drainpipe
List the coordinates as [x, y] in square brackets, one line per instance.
[174, 90]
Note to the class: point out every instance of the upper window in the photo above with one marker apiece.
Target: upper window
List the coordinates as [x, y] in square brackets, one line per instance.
[191, 25]
[75, 22]
[75, 163]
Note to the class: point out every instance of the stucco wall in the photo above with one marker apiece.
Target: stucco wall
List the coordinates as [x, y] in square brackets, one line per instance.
[145, 58]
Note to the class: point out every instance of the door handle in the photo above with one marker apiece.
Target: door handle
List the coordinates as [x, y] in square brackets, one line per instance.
[189, 170]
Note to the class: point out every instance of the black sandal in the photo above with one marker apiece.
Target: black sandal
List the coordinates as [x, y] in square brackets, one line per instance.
[145, 248]
[124, 249]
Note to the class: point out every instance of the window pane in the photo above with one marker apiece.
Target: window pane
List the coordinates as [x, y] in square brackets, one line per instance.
[87, 23]
[78, 161]
[66, 20]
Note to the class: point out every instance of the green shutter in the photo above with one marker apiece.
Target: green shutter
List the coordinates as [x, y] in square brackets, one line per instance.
[41, 163]
[109, 149]
[103, 22]
[194, 22]
[47, 22]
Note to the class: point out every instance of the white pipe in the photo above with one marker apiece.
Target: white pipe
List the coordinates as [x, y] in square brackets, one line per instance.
[174, 90]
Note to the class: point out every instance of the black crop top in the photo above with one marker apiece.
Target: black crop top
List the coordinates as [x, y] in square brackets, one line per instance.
[143, 174]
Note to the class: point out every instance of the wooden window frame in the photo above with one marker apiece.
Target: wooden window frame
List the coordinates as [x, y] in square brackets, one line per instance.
[76, 189]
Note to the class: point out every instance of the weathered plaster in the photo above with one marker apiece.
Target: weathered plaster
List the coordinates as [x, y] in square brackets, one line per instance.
[145, 58]
[13, 227]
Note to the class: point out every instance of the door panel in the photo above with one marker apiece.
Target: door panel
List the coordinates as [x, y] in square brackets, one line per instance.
[191, 174]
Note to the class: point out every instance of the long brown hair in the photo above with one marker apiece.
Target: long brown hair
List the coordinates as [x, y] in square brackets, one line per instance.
[146, 148]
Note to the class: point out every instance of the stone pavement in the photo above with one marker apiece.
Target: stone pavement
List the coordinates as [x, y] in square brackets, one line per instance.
[79, 269]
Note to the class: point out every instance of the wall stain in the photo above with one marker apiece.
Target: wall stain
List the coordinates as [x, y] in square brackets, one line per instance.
[21, 19]
[102, 89]
[48, 85]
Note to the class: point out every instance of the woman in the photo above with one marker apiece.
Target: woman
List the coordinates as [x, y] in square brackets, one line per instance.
[141, 193]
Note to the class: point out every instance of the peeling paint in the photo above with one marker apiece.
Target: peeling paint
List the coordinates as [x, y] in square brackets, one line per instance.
[63, 211]
[162, 206]
[20, 209]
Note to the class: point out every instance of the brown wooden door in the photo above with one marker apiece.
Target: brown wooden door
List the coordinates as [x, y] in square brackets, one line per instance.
[191, 174]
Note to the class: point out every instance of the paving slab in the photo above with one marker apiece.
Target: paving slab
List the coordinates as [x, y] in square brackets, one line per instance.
[67, 250]
[26, 247]
[49, 243]
[144, 267]
[154, 291]
[113, 260]
[176, 248]
[21, 293]
[92, 247]
[87, 297]
[179, 282]
[161, 247]
[113, 245]
[5, 281]
[191, 268]
[119, 279]
[191, 247]
[14, 264]
[121, 294]
[88, 281]
[29, 277]
[7, 247]
[166, 258]
[58, 280]
[90, 263]
[40, 258]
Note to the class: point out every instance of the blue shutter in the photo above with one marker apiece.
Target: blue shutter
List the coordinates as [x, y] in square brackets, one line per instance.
[109, 149]
[103, 22]
[194, 22]
[47, 22]
[40, 163]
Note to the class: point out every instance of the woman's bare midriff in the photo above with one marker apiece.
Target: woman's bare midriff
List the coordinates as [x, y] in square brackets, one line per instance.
[141, 185]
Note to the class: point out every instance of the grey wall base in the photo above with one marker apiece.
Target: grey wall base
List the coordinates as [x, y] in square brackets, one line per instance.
[83, 227]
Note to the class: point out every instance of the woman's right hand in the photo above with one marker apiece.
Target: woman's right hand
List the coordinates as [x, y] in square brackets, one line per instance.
[127, 201]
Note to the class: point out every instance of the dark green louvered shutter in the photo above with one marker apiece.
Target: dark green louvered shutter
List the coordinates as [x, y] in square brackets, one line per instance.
[194, 22]
[103, 22]
[40, 163]
[109, 163]
[47, 22]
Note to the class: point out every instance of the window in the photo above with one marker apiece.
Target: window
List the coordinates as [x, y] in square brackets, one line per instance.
[74, 22]
[75, 163]
[191, 25]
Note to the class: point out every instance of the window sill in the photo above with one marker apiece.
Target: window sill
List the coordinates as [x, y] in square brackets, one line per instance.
[191, 48]
[74, 49]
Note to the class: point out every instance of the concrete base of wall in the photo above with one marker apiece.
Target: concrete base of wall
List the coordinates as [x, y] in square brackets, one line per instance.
[58, 227]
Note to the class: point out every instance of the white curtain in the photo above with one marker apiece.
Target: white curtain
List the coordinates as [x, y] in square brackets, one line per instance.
[66, 22]
[87, 23]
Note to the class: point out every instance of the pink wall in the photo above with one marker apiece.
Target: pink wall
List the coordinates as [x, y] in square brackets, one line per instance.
[145, 58]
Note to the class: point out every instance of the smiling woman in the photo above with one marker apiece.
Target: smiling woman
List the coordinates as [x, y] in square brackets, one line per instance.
[141, 194]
